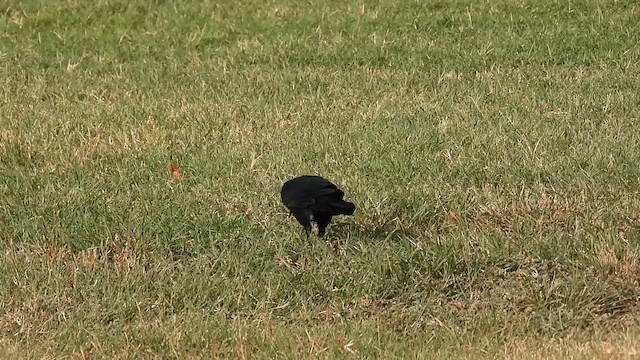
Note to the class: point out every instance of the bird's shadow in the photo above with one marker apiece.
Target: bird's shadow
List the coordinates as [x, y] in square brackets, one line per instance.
[341, 231]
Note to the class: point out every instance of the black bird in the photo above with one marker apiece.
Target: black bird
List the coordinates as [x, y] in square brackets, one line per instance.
[312, 198]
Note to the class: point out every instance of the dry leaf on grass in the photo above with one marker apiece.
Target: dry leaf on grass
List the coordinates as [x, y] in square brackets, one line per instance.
[176, 174]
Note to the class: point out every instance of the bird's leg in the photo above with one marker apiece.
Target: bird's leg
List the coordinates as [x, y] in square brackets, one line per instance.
[323, 220]
[322, 230]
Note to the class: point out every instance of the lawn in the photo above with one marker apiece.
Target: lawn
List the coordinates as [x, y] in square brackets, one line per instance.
[491, 148]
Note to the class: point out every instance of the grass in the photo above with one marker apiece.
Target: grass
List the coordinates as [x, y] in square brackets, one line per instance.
[491, 148]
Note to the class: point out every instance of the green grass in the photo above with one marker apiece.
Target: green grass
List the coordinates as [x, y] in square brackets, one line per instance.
[492, 149]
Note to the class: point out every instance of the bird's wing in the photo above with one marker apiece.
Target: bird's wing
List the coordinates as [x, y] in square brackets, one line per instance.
[301, 198]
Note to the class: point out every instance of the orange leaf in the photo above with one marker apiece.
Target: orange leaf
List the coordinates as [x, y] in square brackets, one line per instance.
[175, 173]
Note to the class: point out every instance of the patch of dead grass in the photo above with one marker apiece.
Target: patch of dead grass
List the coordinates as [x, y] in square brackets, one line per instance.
[623, 346]
[622, 267]
[543, 211]
[67, 146]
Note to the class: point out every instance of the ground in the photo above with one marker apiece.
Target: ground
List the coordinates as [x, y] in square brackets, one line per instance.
[491, 149]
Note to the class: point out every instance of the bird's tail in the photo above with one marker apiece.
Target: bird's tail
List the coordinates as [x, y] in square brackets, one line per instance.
[344, 207]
